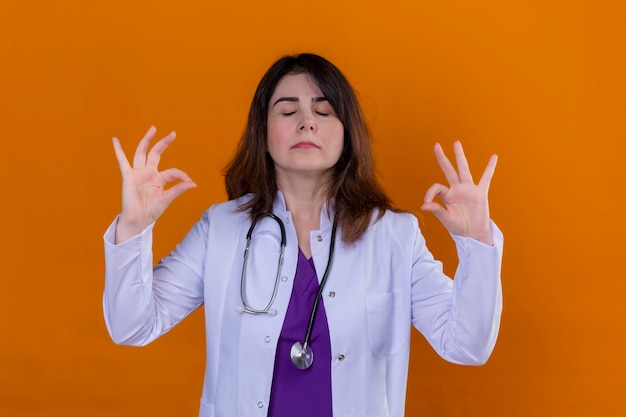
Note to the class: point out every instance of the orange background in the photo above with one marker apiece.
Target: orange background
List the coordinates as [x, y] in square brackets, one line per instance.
[541, 83]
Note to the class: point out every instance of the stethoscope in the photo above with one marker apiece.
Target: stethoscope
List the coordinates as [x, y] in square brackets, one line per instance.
[301, 353]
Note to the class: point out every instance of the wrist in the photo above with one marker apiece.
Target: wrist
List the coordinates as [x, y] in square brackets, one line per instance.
[485, 237]
[126, 229]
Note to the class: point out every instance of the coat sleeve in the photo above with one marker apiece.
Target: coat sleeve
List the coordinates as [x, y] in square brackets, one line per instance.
[460, 318]
[142, 302]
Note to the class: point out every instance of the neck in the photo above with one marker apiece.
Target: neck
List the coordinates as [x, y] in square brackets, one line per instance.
[304, 199]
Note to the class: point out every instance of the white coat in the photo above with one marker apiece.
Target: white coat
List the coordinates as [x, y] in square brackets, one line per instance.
[376, 289]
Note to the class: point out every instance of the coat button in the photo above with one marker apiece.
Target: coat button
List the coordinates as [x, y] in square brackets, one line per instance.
[331, 294]
[283, 278]
[320, 238]
[260, 404]
[267, 339]
[341, 357]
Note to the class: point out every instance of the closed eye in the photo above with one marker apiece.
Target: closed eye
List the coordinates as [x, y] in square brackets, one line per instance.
[321, 113]
[289, 113]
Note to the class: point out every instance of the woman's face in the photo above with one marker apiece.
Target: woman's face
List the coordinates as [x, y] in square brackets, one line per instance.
[304, 135]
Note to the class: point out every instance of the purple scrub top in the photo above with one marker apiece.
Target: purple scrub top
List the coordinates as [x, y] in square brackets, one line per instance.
[298, 392]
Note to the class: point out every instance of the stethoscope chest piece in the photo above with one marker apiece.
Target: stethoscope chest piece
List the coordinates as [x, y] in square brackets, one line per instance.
[301, 356]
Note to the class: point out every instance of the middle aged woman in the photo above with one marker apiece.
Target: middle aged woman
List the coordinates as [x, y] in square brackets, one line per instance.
[315, 318]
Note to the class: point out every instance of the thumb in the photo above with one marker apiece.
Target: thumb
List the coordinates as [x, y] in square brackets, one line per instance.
[177, 190]
[433, 207]
[436, 209]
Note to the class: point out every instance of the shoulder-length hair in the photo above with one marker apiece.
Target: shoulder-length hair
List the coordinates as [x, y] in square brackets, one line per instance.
[353, 184]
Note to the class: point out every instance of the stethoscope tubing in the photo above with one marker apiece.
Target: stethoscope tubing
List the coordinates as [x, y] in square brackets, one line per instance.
[320, 291]
[283, 242]
[301, 354]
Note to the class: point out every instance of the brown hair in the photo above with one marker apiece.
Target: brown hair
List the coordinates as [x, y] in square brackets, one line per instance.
[353, 184]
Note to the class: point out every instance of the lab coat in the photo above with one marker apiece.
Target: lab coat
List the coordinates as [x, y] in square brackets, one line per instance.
[376, 289]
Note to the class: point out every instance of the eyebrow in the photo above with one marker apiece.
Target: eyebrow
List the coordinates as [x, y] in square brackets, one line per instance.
[296, 99]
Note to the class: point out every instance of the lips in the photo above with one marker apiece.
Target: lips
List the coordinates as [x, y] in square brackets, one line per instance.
[305, 145]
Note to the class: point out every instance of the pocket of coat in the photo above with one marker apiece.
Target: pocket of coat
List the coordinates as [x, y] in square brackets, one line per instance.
[206, 409]
[384, 323]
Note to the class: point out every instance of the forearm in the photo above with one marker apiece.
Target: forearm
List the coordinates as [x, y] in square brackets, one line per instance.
[128, 302]
[476, 300]
[141, 302]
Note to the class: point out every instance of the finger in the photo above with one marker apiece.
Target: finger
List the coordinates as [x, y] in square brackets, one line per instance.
[446, 165]
[461, 163]
[139, 159]
[174, 174]
[435, 190]
[120, 155]
[154, 156]
[485, 179]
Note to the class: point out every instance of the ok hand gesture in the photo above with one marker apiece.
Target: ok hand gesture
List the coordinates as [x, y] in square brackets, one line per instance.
[466, 211]
[144, 197]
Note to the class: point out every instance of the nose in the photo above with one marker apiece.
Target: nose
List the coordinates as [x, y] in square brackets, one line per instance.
[307, 123]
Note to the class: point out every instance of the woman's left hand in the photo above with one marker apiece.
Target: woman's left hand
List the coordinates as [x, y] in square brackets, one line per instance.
[466, 211]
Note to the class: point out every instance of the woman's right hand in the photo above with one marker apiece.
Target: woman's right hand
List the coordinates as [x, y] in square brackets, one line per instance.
[144, 197]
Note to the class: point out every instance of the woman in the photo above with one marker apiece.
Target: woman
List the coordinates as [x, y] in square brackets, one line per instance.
[315, 319]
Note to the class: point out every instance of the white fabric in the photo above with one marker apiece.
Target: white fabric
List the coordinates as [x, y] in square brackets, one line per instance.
[379, 286]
